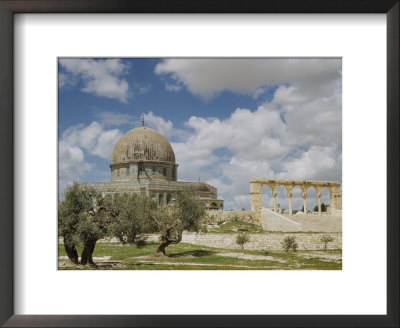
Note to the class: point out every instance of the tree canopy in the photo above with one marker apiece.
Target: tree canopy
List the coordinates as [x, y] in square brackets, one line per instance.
[82, 219]
[184, 214]
[85, 216]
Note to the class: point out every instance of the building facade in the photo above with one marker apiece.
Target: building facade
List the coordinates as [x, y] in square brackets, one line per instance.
[143, 162]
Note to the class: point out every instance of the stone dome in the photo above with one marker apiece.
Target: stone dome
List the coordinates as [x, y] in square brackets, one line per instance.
[143, 144]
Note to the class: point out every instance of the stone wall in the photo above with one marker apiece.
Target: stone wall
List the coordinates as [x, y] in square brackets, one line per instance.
[265, 241]
[215, 217]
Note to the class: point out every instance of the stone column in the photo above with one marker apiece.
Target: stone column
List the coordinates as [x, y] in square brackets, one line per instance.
[332, 198]
[165, 198]
[158, 198]
[319, 199]
[256, 200]
[290, 194]
[336, 198]
[304, 194]
[274, 194]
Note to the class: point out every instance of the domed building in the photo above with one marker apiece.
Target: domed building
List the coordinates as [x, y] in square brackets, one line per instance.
[143, 162]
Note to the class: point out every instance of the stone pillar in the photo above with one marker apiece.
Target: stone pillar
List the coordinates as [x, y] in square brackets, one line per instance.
[158, 198]
[274, 194]
[256, 200]
[165, 198]
[304, 194]
[336, 198]
[318, 189]
[319, 204]
[289, 190]
[332, 198]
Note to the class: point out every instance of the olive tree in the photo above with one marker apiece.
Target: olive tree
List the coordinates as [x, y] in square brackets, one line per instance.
[131, 216]
[326, 239]
[82, 220]
[242, 239]
[289, 243]
[184, 214]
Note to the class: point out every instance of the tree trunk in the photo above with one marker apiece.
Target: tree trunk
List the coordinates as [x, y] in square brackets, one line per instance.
[167, 240]
[70, 249]
[161, 249]
[87, 253]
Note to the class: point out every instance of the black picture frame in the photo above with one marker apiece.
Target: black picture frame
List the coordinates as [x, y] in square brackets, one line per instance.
[10, 7]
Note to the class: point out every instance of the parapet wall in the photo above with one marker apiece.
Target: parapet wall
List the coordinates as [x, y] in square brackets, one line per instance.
[216, 217]
[261, 242]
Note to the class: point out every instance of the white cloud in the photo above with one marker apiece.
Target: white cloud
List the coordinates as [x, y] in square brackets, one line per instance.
[100, 77]
[166, 128]
[247, 134]
[71, 165]
[93, 138]
[172, 87]
[317, 163]
[77, 140]
[111, 118]
[206, 77]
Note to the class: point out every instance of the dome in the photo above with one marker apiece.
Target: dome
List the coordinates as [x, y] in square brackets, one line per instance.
[200, 186]
[142, 144]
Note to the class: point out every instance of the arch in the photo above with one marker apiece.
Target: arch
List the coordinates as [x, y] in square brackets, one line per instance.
[326, 198]
[267, 197]
[312, 198]
[282, 198]
[297, 199]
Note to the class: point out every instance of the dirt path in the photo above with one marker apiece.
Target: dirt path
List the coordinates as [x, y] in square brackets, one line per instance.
[210, 265]
[321, 256]
[251, 257]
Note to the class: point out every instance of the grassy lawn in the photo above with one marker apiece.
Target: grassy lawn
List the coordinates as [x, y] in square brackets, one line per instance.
[237, 226]
[192, 257]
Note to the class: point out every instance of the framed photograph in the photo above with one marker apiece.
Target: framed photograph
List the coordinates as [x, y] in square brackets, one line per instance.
[239, 116]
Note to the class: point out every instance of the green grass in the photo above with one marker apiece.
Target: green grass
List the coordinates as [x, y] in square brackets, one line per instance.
[192, 257]
[237, 226]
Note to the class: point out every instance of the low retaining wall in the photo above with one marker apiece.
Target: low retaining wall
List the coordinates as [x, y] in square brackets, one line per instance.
[215, 217]
[265, 241]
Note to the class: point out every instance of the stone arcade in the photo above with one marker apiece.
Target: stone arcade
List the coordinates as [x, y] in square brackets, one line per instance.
[333, 187]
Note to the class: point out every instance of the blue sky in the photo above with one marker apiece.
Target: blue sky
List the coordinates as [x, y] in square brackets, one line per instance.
[228, 120]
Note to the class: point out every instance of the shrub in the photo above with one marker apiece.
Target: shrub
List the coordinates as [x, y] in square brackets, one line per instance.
[289, 243]
[326, 240]
[140, 241]
[242, 239]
